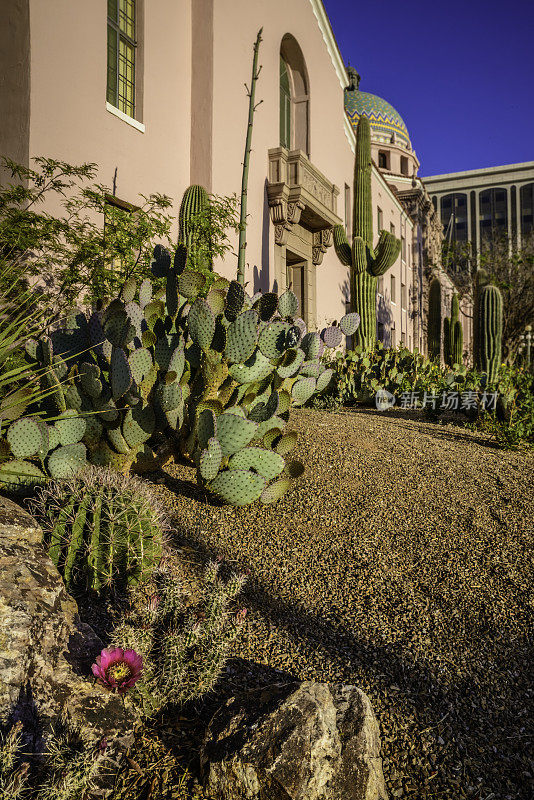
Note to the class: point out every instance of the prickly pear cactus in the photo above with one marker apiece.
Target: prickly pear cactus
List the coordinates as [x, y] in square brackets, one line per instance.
[198, 368]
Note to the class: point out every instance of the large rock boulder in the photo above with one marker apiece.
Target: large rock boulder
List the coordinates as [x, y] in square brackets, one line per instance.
[46, 652]
[306, 741]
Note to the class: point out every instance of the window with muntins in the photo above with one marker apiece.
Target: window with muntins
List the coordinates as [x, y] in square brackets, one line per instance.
[285, 106]
[121, 55]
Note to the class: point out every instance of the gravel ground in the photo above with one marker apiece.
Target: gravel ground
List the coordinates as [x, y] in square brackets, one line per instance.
[401, 562]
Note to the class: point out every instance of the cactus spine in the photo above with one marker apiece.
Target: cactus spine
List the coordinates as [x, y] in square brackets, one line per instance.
[366, 264]
[248, 146]
[489, 331]
[434, 319]
[453, 335]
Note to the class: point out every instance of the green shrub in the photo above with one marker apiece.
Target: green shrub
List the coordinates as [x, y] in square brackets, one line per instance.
[73, 252]
[102, 529]
[511, 424]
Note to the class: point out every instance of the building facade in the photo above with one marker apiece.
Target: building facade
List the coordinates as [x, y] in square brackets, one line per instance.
[153, 93]
[420, 233]
[479, 204]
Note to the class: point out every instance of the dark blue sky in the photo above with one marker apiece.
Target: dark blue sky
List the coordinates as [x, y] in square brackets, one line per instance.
[460, 73]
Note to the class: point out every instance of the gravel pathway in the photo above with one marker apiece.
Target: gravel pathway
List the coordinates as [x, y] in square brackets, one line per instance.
[401, 562]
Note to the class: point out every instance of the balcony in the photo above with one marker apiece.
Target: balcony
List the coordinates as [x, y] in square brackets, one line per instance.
[298, 194]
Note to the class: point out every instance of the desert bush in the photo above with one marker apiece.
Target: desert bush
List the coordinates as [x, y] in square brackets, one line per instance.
[72, 254]
[511, 423]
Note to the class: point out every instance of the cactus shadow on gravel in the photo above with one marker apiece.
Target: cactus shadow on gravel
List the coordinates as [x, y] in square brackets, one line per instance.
[479, 715]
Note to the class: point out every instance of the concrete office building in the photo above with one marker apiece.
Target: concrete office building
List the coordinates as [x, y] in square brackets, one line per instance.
[476, 205]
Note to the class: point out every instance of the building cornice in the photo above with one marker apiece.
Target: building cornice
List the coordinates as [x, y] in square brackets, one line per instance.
[341, 72]
[330, 41]
[483, 172]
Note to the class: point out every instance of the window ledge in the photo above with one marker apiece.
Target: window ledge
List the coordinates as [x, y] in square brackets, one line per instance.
[125, 118]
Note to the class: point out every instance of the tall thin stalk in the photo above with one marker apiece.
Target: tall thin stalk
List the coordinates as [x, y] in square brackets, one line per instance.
[251, 93]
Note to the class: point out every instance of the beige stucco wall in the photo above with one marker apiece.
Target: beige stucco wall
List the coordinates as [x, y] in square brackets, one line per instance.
[69, 120]
[194, 57]
[237, 21]
[236, 24]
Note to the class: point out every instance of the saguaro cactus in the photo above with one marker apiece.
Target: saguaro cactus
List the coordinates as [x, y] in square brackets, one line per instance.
[489, 331]
[434, 319]
[453, 335]
[194, 201]
[366, 264]
[481, 278]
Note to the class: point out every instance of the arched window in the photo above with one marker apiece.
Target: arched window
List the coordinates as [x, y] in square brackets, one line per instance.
[526, 195]
[294, 97]
[285, 106]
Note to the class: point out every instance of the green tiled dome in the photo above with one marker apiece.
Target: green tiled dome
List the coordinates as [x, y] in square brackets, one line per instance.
[384, 119]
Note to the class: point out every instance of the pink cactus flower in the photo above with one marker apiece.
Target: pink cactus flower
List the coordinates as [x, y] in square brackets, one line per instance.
[117, 669]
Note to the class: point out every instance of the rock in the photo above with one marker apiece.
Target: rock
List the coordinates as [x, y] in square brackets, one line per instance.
[298, 741]
[46, 652]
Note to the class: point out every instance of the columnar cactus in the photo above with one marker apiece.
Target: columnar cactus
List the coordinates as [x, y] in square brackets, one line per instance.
[481, 278]
[194, 201]
[453, 336]
[366, 264]
[102, 528]
[434, 319]
[489, 331]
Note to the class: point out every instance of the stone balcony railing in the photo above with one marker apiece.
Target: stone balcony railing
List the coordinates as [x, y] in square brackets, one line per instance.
[298, 193]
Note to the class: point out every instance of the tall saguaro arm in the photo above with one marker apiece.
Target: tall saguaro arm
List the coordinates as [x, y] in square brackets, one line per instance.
[366, 264]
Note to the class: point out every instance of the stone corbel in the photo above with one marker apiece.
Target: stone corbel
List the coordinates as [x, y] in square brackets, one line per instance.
[321, 242]
[284, 215]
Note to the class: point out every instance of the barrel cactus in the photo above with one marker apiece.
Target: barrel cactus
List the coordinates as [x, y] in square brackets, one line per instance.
[434, 319]
[102, 528]
[366, 263]
[488, 325]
